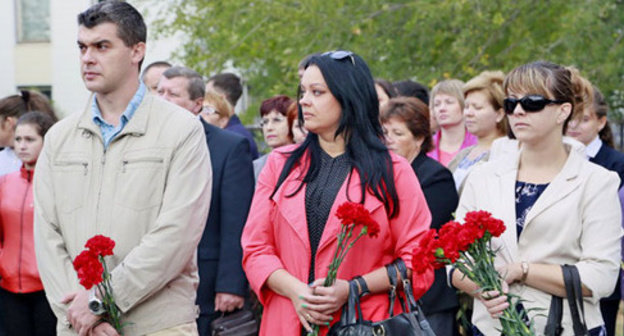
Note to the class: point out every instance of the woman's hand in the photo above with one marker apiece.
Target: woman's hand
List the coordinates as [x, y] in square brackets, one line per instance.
[329, 299]
[305, 303]
[511, 272]
[495, 302]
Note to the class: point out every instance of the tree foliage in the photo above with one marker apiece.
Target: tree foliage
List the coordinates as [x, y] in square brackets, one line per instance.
[424, 40]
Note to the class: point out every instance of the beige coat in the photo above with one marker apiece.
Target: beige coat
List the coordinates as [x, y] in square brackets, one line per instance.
[575, 221]
[149, 191]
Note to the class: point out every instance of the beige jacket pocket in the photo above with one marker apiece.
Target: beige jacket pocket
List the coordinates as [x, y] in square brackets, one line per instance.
[140, 180]
[71, 173]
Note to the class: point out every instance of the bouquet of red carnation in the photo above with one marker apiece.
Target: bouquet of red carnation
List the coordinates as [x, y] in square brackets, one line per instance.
[468, 248]
[353, 217]
[92, 271]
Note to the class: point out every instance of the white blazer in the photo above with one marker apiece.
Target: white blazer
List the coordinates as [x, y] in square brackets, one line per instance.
[575, 221]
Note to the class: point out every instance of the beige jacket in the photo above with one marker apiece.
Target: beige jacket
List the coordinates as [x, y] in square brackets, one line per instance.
[575, 221]
[149, 191]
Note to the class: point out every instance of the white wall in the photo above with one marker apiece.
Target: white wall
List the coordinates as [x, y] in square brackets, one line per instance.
[7, 45]
[68, 91]
[161, 49]
[33, 64]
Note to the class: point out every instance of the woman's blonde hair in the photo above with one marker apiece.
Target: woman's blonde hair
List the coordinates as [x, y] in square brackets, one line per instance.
[553, 81]
[223, 107]
[451, 87]
[491, 83]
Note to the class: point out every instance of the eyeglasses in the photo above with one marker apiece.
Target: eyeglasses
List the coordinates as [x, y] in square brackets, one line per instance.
[209, 110]
[530, 103]
[340, 55]
[276, 120]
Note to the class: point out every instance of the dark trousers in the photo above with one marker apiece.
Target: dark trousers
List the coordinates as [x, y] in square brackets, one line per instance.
[204, 321]
[609, 310]
[444, 323]
[27, 314]
[2, 331]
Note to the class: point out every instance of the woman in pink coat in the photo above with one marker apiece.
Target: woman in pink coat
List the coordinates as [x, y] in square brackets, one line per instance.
[290, 235]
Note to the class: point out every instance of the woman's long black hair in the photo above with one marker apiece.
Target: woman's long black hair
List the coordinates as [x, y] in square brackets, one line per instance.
[351, 83]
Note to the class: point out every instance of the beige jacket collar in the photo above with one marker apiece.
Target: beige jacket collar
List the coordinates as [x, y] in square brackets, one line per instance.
[136, 126]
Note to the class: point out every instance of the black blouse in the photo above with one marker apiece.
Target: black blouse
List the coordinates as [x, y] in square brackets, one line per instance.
[320, 195]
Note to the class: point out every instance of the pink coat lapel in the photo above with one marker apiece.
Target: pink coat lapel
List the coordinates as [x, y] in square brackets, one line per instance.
[332, 227]
[293, 208]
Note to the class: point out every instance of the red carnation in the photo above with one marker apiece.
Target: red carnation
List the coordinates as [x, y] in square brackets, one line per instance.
[355, 213]
[101, 245]
[496, 227]
[424, 254]
[346, 212]
[92, 271]
[89, 269]
[373, 229]
[485, 222]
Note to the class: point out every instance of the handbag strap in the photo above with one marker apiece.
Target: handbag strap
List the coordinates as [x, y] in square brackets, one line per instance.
[412, 309]
[392, 277]
[575, 298]
[351, 311]
[407, 286]
[572, 282]
[555, 313]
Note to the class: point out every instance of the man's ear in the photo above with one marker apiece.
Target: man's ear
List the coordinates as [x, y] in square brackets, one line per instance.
[138, 52]
[198, 105]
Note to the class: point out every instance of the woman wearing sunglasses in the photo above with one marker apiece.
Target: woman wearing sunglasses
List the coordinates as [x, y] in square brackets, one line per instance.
[290, 235]
[593, 130]
[558, 207]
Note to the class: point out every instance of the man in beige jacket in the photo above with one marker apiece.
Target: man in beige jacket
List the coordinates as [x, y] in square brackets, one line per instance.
[131, 167]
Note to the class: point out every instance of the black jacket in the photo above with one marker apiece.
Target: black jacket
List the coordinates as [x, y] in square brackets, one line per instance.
[439, 188]
[220, 254]
[611, 159]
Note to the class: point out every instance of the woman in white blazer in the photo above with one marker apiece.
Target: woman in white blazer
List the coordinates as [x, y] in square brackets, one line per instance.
[558, 207]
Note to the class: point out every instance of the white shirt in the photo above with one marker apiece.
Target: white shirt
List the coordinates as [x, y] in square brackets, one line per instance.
[592, 149]
[9, 162]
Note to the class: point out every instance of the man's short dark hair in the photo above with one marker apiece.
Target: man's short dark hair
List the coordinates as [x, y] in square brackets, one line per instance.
[408, 88]
[229, 84]
[131, 28]
[196, 86]
[157, 64]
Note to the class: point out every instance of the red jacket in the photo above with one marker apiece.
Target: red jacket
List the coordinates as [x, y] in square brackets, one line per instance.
[276, 237]
[18, 265]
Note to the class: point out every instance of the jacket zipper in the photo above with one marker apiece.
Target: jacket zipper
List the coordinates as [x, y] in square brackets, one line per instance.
[19, 262]
[99, 194]
[146, 159]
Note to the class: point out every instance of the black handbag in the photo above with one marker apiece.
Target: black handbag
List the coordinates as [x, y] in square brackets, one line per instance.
[411, 322]
[574, 293]
[239, 323]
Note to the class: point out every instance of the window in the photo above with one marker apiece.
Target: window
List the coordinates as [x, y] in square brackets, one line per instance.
[33, 20]
[46, 90]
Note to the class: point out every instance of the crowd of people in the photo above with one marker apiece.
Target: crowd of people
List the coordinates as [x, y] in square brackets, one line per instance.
[205, 225]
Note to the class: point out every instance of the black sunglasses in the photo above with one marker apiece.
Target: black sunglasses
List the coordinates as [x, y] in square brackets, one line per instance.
[530, 103]
[340, 55]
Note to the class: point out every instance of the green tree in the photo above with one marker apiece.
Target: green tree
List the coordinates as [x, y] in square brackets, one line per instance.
[424, 40]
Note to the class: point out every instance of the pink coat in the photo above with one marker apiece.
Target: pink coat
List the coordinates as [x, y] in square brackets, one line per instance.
[276, 237]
